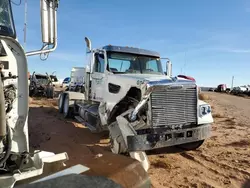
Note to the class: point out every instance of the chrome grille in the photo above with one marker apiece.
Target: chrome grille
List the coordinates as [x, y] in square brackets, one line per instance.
[174, 106]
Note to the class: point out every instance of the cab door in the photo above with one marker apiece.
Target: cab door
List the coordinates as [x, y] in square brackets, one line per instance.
[98, 78]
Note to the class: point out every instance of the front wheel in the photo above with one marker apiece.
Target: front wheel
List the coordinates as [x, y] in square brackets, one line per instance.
[191, 146]
[117, 143]
[118, 146]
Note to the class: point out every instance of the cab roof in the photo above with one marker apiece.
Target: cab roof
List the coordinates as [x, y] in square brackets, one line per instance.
[131, 50]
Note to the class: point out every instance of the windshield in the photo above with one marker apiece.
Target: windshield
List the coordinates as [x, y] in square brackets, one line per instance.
[6, 20]
[123, 63]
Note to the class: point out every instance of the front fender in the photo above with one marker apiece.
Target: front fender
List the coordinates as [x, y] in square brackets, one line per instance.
[206, 119]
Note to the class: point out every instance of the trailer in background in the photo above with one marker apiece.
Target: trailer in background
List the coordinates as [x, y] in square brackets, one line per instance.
[76, 80]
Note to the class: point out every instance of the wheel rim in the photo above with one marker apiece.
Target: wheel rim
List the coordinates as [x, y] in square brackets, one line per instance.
[66, 105]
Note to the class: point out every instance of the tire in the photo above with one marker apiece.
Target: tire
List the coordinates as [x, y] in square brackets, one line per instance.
[191, 146]
[82, 89]
[78, 89]
[117, 143]
[50, 93]
[61, 103]
[31, 92]
[67, 110]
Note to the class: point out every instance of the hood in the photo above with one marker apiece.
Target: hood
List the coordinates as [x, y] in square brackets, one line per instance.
[154, 79]
[148, 77]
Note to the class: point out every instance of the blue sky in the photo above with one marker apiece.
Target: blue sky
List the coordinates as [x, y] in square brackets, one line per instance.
[208, 39]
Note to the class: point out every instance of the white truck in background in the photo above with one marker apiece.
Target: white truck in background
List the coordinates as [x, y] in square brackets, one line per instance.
[76, 79]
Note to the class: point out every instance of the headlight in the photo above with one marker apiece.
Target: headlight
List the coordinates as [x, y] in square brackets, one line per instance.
[205, 109]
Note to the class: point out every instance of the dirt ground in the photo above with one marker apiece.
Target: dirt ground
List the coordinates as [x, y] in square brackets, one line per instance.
[222, 161]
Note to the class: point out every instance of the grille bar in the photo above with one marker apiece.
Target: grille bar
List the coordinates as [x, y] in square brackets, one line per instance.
[174, 106]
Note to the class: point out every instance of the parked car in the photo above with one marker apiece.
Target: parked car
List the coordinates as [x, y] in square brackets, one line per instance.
[66, 82]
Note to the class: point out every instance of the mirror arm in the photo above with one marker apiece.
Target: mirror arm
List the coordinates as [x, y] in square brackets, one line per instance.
[43, 50]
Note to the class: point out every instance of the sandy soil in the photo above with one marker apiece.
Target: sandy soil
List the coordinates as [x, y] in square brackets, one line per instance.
[222, 161]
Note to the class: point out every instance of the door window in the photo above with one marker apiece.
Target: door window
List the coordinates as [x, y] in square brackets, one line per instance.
[152, 65]
[99, 63]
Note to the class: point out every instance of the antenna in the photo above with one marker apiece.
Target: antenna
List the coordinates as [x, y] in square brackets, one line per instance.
[25, 23]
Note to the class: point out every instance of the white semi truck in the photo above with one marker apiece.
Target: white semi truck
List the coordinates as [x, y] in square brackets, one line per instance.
[127, 93]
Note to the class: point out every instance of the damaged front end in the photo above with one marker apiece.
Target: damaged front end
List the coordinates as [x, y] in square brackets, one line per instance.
[175, 116]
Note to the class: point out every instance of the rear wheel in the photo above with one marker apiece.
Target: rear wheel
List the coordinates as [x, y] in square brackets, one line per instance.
[82, 89]
[61, 103]
[67, 110]
[78, 89]
[50, 93]
[31, 92]
[191, 146]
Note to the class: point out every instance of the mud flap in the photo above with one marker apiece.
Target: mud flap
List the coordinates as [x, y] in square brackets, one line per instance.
[127, 130]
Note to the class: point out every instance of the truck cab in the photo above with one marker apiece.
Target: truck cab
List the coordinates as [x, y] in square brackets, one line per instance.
[127, 93]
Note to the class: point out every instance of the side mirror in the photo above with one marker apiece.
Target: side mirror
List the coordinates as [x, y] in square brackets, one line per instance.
[87, 69]
[48, 11]
[88, 44]
[169, 68]
[48, 19]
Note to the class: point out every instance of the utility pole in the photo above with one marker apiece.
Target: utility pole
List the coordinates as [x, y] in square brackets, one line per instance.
[232, 82]
[25, 23]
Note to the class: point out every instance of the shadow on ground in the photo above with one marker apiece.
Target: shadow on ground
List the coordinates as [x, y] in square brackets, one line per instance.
[49, 131]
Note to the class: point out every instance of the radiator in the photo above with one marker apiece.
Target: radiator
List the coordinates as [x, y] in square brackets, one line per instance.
[174, 106]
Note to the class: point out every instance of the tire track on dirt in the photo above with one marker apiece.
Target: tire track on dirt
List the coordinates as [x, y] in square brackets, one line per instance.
[194, 159]
[217, 167]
